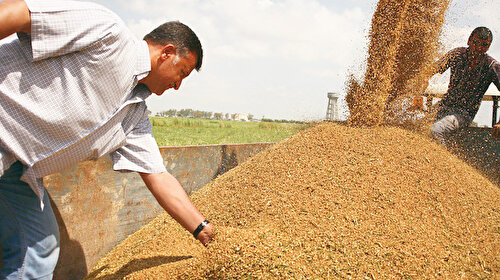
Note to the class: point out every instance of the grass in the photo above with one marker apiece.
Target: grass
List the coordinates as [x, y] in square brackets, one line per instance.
[188, 131]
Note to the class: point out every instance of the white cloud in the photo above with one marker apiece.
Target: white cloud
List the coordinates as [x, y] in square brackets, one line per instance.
[279, 58]
[248, 28]
[273, 58]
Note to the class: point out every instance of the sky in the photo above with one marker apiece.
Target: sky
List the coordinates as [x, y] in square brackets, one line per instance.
[278, 59]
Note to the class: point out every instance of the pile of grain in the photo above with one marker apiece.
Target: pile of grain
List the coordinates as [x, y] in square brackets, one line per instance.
[331, 202]
[403, 44]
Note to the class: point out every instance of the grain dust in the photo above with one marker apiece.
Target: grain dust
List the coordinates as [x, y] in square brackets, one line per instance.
[403, 44]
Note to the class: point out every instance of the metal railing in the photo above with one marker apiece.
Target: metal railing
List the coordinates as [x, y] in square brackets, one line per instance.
[486, 97]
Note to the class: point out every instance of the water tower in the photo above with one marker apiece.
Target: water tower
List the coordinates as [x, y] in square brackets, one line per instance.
[332, 112]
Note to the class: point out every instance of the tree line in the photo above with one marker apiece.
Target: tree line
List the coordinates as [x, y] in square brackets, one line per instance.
[190, 113]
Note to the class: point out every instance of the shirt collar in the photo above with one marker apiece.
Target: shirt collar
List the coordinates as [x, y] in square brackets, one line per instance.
[142, 92]
[143, 62]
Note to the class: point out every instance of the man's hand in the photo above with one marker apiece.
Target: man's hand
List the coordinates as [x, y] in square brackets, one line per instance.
[496, 131]
[206, 235]
[172, 197]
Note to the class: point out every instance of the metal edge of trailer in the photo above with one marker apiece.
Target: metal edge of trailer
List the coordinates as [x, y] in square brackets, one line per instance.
[97, 207]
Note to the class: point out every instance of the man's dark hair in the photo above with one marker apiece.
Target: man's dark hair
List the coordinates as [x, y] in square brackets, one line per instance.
[483, 33]
[181, 36]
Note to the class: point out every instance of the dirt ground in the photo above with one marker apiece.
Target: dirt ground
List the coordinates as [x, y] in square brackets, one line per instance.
[332, 202]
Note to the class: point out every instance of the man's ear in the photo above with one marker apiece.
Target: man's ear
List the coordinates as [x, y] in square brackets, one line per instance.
[168, 50]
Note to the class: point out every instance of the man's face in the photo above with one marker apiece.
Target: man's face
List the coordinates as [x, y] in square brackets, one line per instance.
[171, 69]
[478, 46]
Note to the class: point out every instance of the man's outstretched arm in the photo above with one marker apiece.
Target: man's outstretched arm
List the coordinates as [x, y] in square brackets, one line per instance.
[15, 17]
[172, 197]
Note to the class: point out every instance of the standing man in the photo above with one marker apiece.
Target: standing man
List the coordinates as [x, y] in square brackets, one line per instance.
[472, 72]
[73, 88]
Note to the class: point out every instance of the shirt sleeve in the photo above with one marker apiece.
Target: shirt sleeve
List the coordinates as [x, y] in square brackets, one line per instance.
[141, 152]
[447, 60]
[6, 160]
[495, 68]
[61, 27]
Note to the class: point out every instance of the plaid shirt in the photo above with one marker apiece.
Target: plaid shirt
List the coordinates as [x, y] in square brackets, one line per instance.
[69, 92]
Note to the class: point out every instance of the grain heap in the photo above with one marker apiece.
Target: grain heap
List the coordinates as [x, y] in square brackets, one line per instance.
[403, 44]
[336, 201]
[331, 202]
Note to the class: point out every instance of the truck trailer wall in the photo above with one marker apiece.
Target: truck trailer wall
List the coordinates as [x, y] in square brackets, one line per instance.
[97, 207]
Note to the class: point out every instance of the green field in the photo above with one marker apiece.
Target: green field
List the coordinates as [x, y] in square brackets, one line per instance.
[189, 131]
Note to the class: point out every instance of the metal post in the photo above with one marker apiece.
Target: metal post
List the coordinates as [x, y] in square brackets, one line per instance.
[329, 110]
[495, 108]
[332, 112]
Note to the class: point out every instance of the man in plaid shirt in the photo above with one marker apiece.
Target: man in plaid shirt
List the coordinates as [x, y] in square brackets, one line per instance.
[72, 88]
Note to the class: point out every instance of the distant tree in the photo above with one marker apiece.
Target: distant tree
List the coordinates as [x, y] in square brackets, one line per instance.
[171, 113]
[198, 114]
[233, 116]
[250, 117]
[227, 116]
[161, 114]
[185, 113]
[207, 115]
[218, 116]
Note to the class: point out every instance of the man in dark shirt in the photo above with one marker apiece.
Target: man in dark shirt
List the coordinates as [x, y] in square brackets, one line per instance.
[472, 72]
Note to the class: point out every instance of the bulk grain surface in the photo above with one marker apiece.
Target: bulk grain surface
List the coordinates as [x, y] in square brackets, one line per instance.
[331, 202]
[340, 202]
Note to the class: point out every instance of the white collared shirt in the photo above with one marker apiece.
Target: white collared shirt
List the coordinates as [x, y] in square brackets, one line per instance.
[69, 92]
